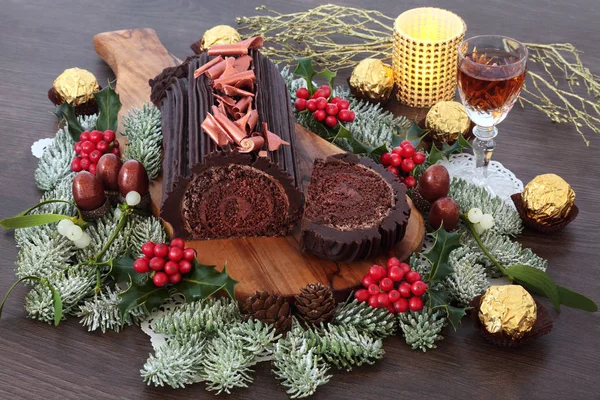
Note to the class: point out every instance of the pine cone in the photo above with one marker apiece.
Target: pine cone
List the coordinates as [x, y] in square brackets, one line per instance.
[422, 205]
[316, 304]
[270, 309]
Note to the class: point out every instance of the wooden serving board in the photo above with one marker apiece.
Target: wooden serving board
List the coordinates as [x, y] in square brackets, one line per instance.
[273, 264]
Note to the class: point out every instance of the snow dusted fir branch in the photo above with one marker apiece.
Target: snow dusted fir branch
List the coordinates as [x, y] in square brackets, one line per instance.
[422, 329]
[374, 321]
[100, 312]
[144, 138]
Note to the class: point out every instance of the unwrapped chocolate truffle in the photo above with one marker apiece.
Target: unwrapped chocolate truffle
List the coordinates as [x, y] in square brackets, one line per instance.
[76, 87]
[372, 80]
[447, 120]
[508, 309]
[220, 34]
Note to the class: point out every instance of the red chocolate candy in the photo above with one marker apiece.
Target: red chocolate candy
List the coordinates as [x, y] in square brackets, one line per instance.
[133, 177]
[107, 171]
[88, 191]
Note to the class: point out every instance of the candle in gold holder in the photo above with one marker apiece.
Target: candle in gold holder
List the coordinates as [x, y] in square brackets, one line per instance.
[424, 56]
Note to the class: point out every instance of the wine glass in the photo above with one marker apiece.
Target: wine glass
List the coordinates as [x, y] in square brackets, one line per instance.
[491, 71]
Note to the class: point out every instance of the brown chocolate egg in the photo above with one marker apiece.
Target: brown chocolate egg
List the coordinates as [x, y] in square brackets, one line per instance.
[434, 183]
[88, 191]
[444, 210]
[107, 171]
[133, 177]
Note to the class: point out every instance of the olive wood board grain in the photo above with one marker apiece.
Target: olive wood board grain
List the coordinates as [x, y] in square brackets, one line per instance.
[273, 264]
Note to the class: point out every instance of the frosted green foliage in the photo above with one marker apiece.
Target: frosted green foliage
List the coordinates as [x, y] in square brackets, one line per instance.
[63, 190]
[73, 284]
[144, 133]
[226, 364]
[175, 363]
[298, 366]
[43, 252]
[88, 122]
[375, 321]
[418, 262]
[468, 279]
[255, 337]
[146, 229]
[207, 316]
[55, 163]
[422, 329]
[506, 219]
[101, 312]
[100, 231]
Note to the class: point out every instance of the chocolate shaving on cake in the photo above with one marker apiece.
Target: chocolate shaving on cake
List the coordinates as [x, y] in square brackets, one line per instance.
[236, 49]
[207, 66]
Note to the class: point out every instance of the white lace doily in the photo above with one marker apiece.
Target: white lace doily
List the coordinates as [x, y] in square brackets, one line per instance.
[500, 182]
[38, 148]
[158, 339]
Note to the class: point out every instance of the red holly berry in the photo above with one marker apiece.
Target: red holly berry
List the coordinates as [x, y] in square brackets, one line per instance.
[161, 250]
[95, 136]
[419, 288]
[185, 267]
[177, 242]
[175, 278]
[335, 100]
[397, 150]
[393, 170]
[393, 261]
[92, 168]
[405, 267]
[302, 93]
[405, 290]
[95, 156]
[368, 280]
[408, 150]
[377, 272]
[115, 151]
[108, 136]
[331, 121]
[85, 163]
[160, 279]
[373, 289]
[410, 182]
[395, 273]
[394, 296]
[311, 105]
[116, 143]
[401, 305]
[391, 308]
[386, 159]
[383, 300]
[321, 103]
[175, 253]
[189, 254]
[361, 295]
[300, 104]
[346, 115]
[343, 104]
[412, 277]
[386, 284]
[331, 109]
[419, 158]
[405, 143]
[171, 267]
[320, 115]
[318, 93]
[102, 147]
[415, 303]
[157, 263]
[76, 164]
[407, 165]
[148, 249]
[373, 301]
[141, 265]
[395, 160]
[326, 90]
[78, 147]
[88, 146]
[85, 135]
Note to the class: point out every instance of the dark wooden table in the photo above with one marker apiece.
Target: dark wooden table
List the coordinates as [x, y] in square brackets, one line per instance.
[39, 39]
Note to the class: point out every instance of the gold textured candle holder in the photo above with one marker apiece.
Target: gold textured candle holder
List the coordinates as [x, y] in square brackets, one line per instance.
[424, 58]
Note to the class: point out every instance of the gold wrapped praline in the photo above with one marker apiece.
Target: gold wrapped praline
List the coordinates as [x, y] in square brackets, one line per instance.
[508, 309]
[446, 120]
[548, 199]
[372, 79]
[76, 86]
[220, 34]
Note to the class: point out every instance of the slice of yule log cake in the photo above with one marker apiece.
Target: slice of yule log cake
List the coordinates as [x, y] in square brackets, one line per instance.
[230, 167]
[355, 209]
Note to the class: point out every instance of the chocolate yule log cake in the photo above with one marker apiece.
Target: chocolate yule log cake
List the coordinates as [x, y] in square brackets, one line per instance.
[355, 209]
[230, 166]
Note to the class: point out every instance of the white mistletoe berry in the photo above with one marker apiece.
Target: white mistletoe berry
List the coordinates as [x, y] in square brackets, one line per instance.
[63, 226]
[478, 228]
[475, 215]
[83, 241]
[74, 232]
[487, 221]
[133, 198]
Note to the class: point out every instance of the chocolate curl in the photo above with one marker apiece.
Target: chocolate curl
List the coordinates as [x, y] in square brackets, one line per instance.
[254, 42]
[234, 79]
[274, 142]
[246, 84]
[243, 121]
[216, 70]
[263, 153]
[251, 143]
[242, 63]
[229, 68]
[239, 109]
[207, 66]
[233, 91]
[215, 131]
[233, 131]
[236, 49]
[226, 100]
[253, 120]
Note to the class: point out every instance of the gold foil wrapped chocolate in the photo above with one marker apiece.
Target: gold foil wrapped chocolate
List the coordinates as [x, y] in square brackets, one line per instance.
[508, 309]
[372, 79]
[220, 34]
[76, 86]
[548, 199]
[446, 120]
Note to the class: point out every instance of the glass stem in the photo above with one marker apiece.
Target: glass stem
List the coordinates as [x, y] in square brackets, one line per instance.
[483, 146]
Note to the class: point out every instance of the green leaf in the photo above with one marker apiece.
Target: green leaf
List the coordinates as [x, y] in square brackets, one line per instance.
[413, 133]
[123, 273]
[438, 255]
[65, 112]
[536, 280]
[573, 299]
[108, 106]
[58, 308]
[204, 281]
[329, 76]
[356, 146]
[440, 299]
[305, 70]
[26, 221]
[146, 294]
[436, 154]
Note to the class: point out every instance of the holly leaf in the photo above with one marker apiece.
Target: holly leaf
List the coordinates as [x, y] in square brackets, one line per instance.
[535, 280]
[26, 221]
[66, 113]
[436, 154]
[123, 273]
[413, 133]
[109, 105]
[204, 281]
[329, 76]
[445, 242]
[305, 70]
[440, 299]
[356, 146]
[145, 294]
[573, 299]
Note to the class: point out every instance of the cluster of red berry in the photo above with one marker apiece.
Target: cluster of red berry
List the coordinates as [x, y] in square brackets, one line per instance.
[397, 287]
[167, 262]
[91, 146]
[402, 160]
[330, 112]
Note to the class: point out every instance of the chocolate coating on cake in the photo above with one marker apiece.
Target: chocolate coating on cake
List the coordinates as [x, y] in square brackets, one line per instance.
[355, 209]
